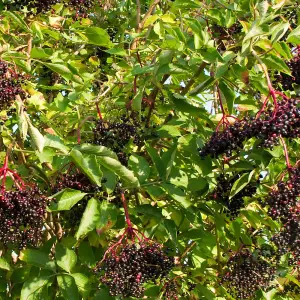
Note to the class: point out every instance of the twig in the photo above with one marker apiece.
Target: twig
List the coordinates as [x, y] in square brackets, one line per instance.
[138, 13]
[141, 24]
[286, 153]
[192, 80]
[187, 250]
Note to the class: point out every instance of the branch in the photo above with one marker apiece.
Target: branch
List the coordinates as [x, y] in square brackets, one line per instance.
[138, 13]
[286, 153]
[152, 98]
[141, 24]
[265, 70]
[192, 80]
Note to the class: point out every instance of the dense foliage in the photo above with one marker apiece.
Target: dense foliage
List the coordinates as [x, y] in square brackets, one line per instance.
[149, 149]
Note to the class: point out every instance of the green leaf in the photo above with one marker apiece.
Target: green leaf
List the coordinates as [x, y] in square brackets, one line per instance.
[156, 160]
[96, 150]
[83, 284]
[97, 36]
[90, 218]
[139, 166]
[88, 165]
[168, 131]
[33, 286]
[203, 86]
[86, 254]
[279, 31]
[276, 63]
[137, 100]
[55, 142]
[120, 170]
[177, 194]
[37, 138]
[246, 239]
[66, 199]
[108, 217]
[4, 264]
[228, 94]
[168, 159]
[65, 258]
[171, 229]
[22, 125]
[68, 287]
[37, 258]
[240, 183]
[17, 19]
[294, 36]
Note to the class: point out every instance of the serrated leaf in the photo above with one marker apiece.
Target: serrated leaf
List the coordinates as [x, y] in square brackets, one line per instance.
[90, 218]
[22, 125]
[240, 183]
[228, 94]
[168, 131]
[276, 63]
[68, 287]
[139, 166]
[108, 217]
[37, 258]
[55, 142]
[168, 159]
[65, 258]
[137, 100]
[88, 165]
[86, 254]
[4, 264]
[33, 286]
[96, 150]
[171, 229]
[17, 19]
[37, 138]
[97, 36]
[66, 199]
[83, 284]
[115, 166]
[177, 194]
[294, 36]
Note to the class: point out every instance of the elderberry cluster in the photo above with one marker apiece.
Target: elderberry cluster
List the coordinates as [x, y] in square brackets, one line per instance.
[282, 202]
[21, 217]
[126, 272]
[10, 86]
[284, 121]
[222, 193]
[246, 274]
[286, 82]
[116, 135]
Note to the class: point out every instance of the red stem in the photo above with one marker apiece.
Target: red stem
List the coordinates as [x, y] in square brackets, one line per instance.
[126, 211]
[139, 59]
[286, 153]
[99, 111]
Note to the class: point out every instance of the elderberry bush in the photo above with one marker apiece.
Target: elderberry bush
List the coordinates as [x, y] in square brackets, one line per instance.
[286, 82]
[246, 274]
[21, 217]
[284, 121]
[126, 272]
[10, 86]
[222, 193]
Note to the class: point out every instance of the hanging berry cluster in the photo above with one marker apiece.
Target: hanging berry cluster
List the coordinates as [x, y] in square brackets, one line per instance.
[267, 127]
[246, 274]
[22, 211]
[116, 135]
[286, 82]
[10, 86]
[222, 193]
[21, 217]
[133, 261]
[283, 205]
